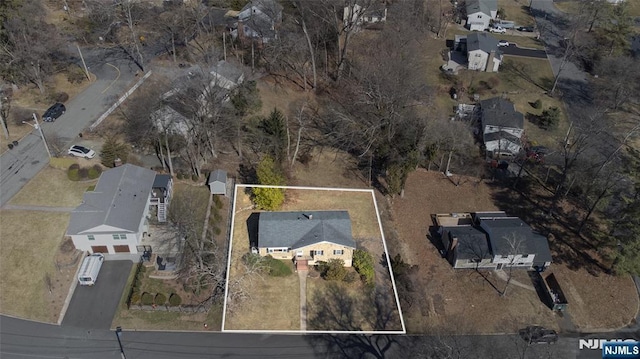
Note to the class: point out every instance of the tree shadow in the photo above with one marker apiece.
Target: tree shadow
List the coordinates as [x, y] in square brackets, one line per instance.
[357, 346]
[334, 308]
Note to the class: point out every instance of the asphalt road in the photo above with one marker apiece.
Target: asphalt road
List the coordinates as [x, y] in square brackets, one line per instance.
[93, 307]
[25, 339]
[513, 50]
[19, 165]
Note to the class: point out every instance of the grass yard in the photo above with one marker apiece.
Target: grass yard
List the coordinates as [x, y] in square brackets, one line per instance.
[34, 284]
[518, 11]
[51, 187]
[328, 168]
[279, 296]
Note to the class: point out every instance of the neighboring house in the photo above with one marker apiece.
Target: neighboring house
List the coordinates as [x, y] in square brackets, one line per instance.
[306, 237]
[492, 240]
[173, 116]
[359, 16]
[513, 242]
[258, 20]
[480, 13]
[113, 218]
[502, 127]
[218, 182]
[483, 53]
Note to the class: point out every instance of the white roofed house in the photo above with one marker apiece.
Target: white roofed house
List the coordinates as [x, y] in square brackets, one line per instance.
[363, 14]
[114, 217]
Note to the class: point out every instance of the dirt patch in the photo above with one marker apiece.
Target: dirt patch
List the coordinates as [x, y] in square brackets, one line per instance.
[468, 295]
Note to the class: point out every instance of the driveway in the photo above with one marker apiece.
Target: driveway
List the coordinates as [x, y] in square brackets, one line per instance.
[94, 307]
[514, 50]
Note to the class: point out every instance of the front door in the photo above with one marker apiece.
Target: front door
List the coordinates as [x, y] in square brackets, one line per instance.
[99, 249]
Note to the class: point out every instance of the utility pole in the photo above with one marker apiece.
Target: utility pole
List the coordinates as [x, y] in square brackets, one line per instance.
[86, 70]
[39, 128]
[118, 332]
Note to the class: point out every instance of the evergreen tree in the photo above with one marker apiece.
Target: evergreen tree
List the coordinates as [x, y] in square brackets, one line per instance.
[268, 174]
[111, 150]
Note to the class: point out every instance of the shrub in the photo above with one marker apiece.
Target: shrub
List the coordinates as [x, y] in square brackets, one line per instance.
[363, 263]
[73, 174]
[160, 299]
[218, 202]
[175, 300]
[277, 268]
[146, 298]
[550, 118]
[537, 104]
[351, 277]
[75, 74]
[493, 82]
[217, 231]
[195, 178]
[135, 298]
[74, 166]
[95, 171]
[61, 97]
[83, 172]
[268, 174]
[19, 114]
[335, 270]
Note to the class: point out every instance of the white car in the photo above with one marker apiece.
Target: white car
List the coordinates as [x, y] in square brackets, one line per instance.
[498, 29]
[503, 43]
[81, 151]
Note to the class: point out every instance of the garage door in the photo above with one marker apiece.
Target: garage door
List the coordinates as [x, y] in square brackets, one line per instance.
[99, 249]
[121, 249]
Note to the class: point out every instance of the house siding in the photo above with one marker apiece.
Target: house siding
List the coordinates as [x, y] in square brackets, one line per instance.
[309, 251]
[478, 21]
[477, 60]
[467, 264]
[82, 242]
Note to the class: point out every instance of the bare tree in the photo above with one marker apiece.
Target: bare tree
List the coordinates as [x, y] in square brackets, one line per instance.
[516, 244]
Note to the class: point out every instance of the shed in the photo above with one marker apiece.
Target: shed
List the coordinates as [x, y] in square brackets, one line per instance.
[218, 182]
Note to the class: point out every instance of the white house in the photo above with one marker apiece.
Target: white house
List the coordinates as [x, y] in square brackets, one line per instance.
[359, 16]
[502, 127]
[480, 13]
[113, 217]
[483, 53]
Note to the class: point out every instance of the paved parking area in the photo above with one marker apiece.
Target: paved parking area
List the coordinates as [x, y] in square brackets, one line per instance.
[94, 307]
[512, 49]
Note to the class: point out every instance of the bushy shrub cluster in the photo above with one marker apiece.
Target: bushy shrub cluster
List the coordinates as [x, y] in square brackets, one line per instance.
[363, 263]
[77, 173]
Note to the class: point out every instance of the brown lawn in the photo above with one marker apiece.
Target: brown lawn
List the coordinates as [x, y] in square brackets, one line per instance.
[36, 271]
[447, 295]
[52, 187]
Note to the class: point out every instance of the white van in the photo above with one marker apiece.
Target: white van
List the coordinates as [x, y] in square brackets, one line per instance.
[90, 268]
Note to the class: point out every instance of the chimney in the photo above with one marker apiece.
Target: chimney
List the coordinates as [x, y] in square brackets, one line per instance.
[310, 216]
[492, 56]
[117, 162]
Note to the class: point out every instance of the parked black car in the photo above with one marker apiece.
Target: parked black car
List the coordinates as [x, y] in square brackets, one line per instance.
[538, 335]
[54, 112]
[526, 28]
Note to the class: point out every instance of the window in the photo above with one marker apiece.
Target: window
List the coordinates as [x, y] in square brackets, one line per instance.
[338, 252]
[119, 236]
[480, 16]
[318, 252]
[91, 237]
[525, 256]
[277, 250]
[504, 257]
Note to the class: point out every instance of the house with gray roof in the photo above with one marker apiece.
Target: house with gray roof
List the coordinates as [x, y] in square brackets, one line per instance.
[502, 127]
[483, 53]
[480, 13]
[258, 20]
[493, 240]
[306, 237]
[113, 218]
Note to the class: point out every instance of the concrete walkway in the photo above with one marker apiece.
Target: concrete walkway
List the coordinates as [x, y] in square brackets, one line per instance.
[302, 274]
[37, 208]
[504, 276]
